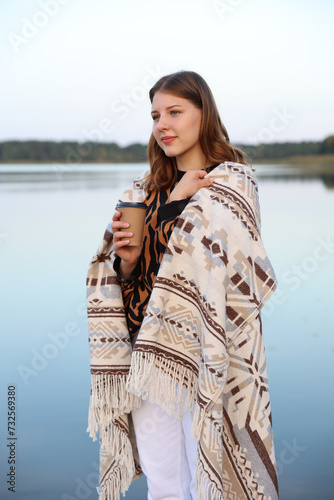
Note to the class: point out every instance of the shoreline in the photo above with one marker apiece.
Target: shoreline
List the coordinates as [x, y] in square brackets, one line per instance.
[298, 159]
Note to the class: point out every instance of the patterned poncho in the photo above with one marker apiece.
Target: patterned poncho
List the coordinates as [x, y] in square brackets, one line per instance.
[200, 345]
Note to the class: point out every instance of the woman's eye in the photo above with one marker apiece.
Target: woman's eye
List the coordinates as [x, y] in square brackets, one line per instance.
[154, 117]
[175, 112]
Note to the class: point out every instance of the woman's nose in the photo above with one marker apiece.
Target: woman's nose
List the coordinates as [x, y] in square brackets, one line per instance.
[162, 124]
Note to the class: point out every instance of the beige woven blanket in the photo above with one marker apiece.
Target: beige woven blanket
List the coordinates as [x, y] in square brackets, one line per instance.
[200, 344]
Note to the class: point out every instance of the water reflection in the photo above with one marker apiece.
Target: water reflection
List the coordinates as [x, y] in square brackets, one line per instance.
[95, 176]
[327, 179]
[52, 227]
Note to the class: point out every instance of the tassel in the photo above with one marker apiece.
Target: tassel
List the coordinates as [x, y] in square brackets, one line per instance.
[163, 382]
[115, 456]
[117, 482]
[108, 401]
[205, 487]
[110, 391]
[197, 422]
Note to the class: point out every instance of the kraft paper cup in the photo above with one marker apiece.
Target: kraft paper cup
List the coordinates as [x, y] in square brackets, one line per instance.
[134, 214]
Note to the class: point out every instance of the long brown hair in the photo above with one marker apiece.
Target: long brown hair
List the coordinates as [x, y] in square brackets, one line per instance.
[214, 139]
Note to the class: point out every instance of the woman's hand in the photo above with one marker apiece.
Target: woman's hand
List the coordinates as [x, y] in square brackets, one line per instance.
[190, 183]
[129, 255]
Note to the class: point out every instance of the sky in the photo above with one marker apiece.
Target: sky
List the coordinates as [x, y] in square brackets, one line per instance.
[81, 69]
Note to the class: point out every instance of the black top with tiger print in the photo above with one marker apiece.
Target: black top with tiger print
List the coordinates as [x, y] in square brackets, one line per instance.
[160, 221]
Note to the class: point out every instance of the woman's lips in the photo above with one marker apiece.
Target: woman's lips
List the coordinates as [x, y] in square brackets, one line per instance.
[167, 139]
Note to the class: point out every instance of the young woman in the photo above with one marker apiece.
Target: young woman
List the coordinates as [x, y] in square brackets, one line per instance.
[179, 388]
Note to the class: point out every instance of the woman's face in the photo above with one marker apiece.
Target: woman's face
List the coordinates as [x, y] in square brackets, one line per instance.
[176, 126]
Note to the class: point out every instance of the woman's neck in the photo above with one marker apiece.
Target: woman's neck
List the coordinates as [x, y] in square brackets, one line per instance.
[194, 161]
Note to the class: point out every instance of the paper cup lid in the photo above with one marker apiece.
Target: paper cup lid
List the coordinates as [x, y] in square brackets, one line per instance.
[131, 204]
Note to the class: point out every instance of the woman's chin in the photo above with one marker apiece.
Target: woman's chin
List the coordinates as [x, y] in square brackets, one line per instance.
[168, 152]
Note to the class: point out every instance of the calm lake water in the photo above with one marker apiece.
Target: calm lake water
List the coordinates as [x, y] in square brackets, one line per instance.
[52, 220]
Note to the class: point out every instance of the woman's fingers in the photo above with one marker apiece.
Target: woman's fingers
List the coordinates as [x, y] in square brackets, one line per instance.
[121, 238]
[116, 215]
[201, 173]
[196, 176]
[120, 223]
[121, 243]
[191, 182]
[208, 181]
[122, 234]
[205, 178]
[117, 224]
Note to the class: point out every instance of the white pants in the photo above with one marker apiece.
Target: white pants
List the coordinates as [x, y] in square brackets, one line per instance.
[167, 453]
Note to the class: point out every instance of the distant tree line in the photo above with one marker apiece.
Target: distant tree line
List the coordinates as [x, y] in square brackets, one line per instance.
[70, 152]
[100, 152]
[280, 150]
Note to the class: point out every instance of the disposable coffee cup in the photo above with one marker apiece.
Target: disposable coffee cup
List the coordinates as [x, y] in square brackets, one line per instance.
[134, 214]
